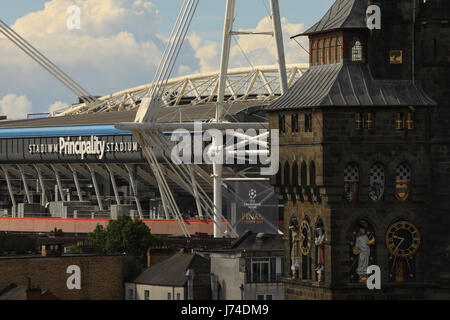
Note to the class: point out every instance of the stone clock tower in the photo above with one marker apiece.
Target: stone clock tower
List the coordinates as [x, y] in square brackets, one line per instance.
[358, 150]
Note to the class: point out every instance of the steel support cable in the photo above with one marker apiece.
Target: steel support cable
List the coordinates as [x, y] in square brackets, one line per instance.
[172, 53]
[205, 206]
[176, 45]
[167, 201]
[153, 96]
[167, 190]
[163, 186]
[176, 50]
[36, 55]
[210, 205]
[168, 50]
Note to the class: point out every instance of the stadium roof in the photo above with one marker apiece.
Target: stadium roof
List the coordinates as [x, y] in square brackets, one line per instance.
[201, 112]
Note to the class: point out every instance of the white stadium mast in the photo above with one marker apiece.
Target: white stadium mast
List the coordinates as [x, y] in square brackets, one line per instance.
[149, 133]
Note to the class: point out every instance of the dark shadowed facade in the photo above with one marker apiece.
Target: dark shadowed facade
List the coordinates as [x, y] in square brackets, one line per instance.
[364, 155]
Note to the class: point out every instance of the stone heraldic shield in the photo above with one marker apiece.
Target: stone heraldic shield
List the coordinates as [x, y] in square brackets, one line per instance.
[403, 182]
[376, 182]
[351, 182]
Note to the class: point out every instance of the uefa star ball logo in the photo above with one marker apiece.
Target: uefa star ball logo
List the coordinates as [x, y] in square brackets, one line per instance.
[252, 194]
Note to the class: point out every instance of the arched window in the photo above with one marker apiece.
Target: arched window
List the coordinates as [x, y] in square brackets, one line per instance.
[351, 182]
[333, 51]
[320, 53]
[312, 174]
[326, 51]
[338, 50]
[357, 51]
[403, 181]
[362, 250]
[287, 174]
[314, 53]
[303, 173]
[295, 175]
[376, 188]
[278, 176]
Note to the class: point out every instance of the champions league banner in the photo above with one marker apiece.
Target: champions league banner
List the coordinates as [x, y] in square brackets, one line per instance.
[255, 207]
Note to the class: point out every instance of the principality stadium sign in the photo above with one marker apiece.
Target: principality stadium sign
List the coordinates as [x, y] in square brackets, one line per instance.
[82, 147]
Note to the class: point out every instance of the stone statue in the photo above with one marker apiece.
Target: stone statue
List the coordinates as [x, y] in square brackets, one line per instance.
[362, 249]
[319, 241]
[295, 236]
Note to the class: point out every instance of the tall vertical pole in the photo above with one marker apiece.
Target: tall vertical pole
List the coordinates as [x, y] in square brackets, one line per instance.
[217, 167]
[278, 33]
[225, 57]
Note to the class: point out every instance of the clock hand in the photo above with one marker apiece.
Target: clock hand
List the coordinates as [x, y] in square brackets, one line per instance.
[400, 243]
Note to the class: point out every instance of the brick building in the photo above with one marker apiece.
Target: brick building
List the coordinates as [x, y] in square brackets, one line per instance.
[101, 276]
[364, 155]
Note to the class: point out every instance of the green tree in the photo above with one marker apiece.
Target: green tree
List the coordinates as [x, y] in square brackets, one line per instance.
[124, 235]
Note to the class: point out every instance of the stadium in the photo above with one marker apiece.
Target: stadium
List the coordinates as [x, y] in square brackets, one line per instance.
[74, 169]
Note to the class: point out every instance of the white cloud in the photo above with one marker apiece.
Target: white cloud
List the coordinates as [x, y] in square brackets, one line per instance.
[117, 47]
[15, 107]
[259, 50]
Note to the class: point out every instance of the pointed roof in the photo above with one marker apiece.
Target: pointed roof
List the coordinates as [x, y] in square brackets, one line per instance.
[349, 84]
[343, 14]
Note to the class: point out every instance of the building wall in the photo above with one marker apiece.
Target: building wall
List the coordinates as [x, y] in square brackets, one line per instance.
[229, 275]
[159, 292]
[101, 276]
[252, 290]
[230, 272]
[335, 145]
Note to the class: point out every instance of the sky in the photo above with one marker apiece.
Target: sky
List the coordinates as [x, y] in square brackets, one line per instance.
[121, 41]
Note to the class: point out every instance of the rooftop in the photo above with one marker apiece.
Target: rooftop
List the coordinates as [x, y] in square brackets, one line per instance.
[349, 84]
[343, 14]
[172, 272]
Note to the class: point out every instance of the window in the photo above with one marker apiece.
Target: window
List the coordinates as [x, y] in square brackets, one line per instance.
[262, 270]
[358, 121]
[369, 121]
[308, 122]
[178, 296]
[333, 50]
[357, 51]
[314, 53]
[400, 121]
[287, 174]
[282, 123]
[410, 121]
[403, 176]
[294, 122]
[312, 174]
[351, 182]
[169, 296]
[320, 55]
[146, 295]
[338, 50]
[327, 52]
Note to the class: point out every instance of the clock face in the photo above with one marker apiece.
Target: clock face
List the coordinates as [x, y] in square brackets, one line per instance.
[305, 238]
[403, 239]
